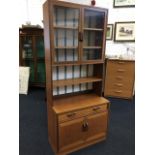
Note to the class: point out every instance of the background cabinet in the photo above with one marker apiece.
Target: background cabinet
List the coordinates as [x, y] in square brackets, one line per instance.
[119, 80]
[74, 56]
[31, 53]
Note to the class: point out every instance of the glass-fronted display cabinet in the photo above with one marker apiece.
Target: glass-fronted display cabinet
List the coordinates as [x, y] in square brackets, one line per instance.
[31, 53]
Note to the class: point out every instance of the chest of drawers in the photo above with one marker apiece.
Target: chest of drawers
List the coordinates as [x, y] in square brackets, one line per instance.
[119, 80]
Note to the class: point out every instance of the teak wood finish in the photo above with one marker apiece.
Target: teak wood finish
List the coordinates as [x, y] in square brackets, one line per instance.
[75, 120]
[119, 81]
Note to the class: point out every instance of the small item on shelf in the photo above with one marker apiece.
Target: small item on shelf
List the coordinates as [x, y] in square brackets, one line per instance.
[93, 2]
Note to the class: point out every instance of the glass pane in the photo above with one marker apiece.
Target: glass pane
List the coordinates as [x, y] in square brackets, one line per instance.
[66, 38]
[92, 54]
[31, 65]
[41, 72]
[40, 46]
[64, 16]
[66, 21]
[93, 38]
[27, 47]
[93, 19]
[63, 55]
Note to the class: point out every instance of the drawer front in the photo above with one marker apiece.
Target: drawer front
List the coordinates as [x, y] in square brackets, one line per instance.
[80, 113]
[120, 68]
[118, 93]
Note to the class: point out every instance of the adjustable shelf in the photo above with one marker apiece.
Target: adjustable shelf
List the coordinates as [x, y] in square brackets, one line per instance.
[75, 81]
[65, 27]
[92, 29]
[66, 47]
[92, 47]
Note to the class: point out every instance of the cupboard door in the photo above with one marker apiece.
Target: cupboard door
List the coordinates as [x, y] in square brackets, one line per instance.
[97, 126]
[71, 134]
[66, 31]
[40, 47]
[93, 22]
[27, 47]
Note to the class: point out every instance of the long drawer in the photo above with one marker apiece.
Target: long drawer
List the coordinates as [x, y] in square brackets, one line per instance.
[80, 113]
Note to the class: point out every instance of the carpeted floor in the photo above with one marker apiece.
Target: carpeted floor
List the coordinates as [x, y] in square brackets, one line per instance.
[33, 136]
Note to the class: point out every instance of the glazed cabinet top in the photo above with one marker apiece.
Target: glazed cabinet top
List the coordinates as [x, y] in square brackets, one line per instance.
[77, 33]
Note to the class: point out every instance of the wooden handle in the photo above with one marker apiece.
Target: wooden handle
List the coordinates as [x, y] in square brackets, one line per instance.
[120, 70]
[119, 77]
[71, 114]
[96, 108]
[85, 126]
[119, 84]
[118, 91]
[80, 36]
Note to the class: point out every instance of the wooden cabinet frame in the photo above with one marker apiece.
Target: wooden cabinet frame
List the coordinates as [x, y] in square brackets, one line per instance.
[60, 106]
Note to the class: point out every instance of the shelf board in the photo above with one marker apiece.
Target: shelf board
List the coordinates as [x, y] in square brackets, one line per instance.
[65, 27]
[66, 47]
[78, 63]
[92, 47]
[69, 82]
[71, 103]
[93, 29]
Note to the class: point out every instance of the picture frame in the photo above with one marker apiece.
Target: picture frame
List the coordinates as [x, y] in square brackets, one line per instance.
[123, 3]
[109, 33]
[124, 31]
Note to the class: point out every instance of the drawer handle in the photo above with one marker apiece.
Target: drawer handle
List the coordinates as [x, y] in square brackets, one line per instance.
[119, 77]
[96, 108]
[118, 91]
[85, 126]
[71, 114]
[119, 84]
[120, 70]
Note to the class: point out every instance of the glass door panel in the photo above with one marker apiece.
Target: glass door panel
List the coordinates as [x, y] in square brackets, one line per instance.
[41, 72]
[93, 35]
[27, 48]
[40, 47]
[66, 22]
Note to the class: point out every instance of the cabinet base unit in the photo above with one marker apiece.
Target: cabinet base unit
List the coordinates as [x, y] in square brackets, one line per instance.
[76, 122]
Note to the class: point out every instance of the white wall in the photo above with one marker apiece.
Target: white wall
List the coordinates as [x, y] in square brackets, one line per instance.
[115, 14]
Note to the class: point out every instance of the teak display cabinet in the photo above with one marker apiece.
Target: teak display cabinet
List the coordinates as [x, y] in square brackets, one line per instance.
[31, 53]
[74, 37]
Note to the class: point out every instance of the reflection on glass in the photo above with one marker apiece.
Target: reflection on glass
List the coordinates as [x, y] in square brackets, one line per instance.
[92, 54]
[92, 38]
[93, 19]
[27, 47]
[41, 72]
[40, 47]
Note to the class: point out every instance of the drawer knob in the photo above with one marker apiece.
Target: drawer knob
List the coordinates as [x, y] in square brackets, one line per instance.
[71, 114]
[96, 108]
[118, 91]
[120, 70]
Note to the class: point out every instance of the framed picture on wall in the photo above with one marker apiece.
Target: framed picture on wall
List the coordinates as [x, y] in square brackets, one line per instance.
[109, 34]
[123, 3]
[124, 31]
